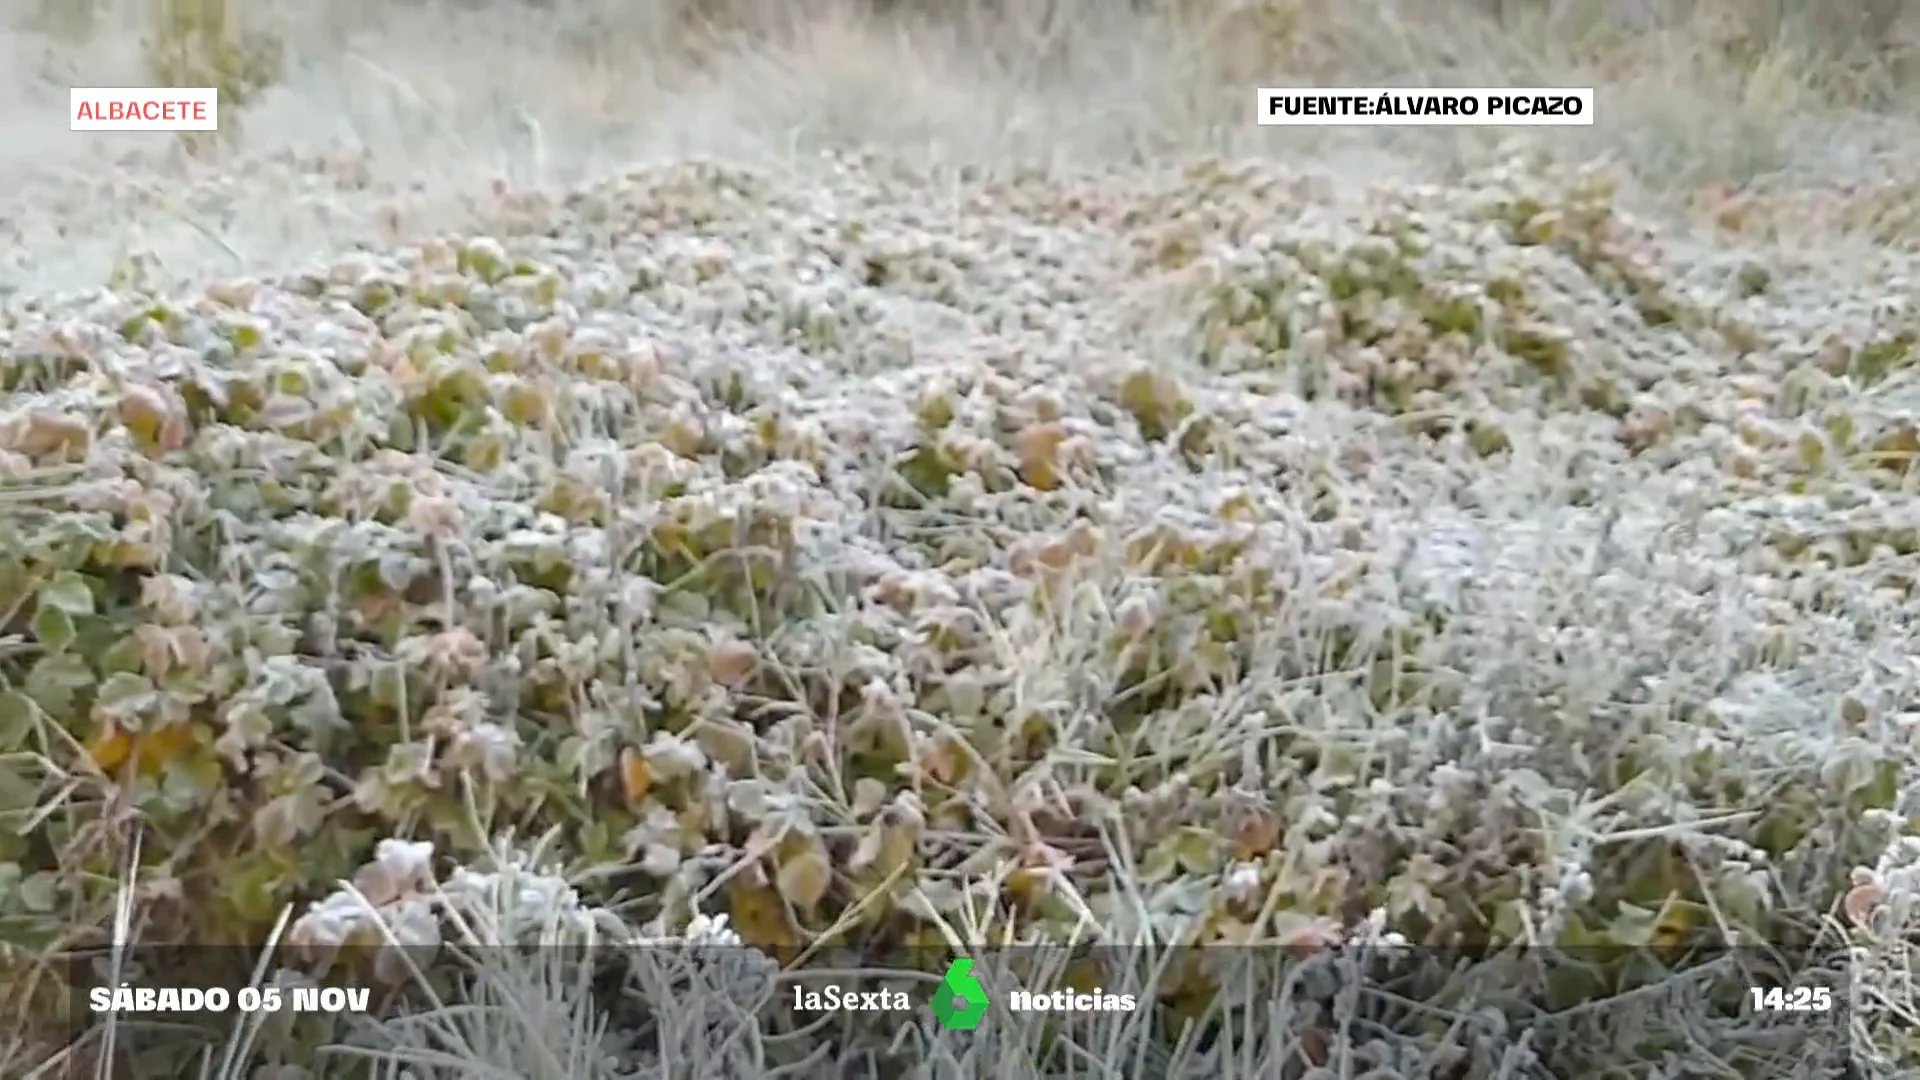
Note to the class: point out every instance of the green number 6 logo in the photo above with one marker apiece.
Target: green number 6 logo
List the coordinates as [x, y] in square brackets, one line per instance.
[961, 1002]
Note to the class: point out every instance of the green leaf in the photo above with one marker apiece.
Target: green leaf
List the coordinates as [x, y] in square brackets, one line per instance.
[124, 654]
[55, 681]
[1197, 850]
[17, 793]
[927, 472]
[189, 784]
[40, 893]
[255, 889]
[53, 628]
[1882, 787]
[126, 692]
[18, 717]
[1633, 926]
[68, 592]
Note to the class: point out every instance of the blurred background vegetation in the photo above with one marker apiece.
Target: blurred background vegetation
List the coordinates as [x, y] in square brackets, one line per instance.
[1849, 52]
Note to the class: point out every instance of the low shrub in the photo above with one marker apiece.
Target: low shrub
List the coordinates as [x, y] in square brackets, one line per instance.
[882, 585]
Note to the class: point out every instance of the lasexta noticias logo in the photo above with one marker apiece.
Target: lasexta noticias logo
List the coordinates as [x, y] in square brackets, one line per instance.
[961, 1002]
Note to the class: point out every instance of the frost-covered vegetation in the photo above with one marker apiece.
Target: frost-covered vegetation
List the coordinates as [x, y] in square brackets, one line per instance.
[751, 575]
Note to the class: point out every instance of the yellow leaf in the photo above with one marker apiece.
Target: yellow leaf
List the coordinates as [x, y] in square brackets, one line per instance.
[754, 911]
[109, 747]
[1676, 923]
[1028, 886]
[1897, 451]
[150, 751]
[155, 750]
[804, 874]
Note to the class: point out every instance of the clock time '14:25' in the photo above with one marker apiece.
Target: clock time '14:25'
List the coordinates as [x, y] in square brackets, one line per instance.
[1817, 999]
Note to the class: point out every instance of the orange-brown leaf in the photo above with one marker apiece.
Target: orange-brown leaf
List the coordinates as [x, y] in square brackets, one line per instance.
[732, 662]
[1038, 447]
[1861, 902]
[1257, 835]
[636, 777]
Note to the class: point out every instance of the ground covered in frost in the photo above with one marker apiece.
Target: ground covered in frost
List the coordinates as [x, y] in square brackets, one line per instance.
[908, 562]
